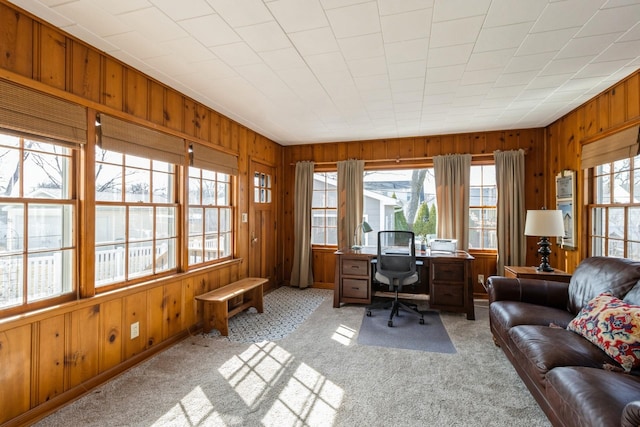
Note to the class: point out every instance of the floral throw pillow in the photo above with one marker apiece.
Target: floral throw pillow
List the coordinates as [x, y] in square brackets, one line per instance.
[614, 326]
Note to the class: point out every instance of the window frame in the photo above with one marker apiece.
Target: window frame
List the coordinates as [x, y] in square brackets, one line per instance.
[69, 269]
[325, 208]
[484, 207]
[601, 244]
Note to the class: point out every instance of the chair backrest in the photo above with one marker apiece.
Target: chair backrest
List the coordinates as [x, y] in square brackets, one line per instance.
[396, 254]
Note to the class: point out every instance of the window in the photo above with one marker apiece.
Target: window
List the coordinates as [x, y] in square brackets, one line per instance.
[136, 232]
[324, 209]
[210, 216]
[261, 187]
[37, 214]
[482, 208]
[615, 213]
[400, 200]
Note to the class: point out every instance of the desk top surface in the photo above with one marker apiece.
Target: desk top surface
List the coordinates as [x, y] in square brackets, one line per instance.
[370, 252]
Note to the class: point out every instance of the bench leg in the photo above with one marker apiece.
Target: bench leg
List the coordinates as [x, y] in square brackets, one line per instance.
[220, 314]
[256, 298]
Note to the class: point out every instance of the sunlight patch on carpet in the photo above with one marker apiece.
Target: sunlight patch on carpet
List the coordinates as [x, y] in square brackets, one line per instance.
[284, 310]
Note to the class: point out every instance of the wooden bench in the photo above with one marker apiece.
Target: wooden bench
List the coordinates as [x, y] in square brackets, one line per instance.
[227, 301]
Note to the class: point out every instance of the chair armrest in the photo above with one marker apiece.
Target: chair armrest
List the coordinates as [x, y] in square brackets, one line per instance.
[631, 414]
[533, 291]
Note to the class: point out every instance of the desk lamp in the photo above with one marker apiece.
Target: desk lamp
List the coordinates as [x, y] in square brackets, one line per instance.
[362, 228]
[544, 223]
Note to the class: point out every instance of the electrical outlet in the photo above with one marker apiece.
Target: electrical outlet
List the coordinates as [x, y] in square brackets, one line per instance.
[481, 279]
[135, 330]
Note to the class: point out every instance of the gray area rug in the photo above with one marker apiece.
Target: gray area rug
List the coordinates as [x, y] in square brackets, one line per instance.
[406, 332]
[317, 375]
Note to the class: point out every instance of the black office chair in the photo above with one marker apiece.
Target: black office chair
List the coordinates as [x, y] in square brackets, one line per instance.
[396, 267]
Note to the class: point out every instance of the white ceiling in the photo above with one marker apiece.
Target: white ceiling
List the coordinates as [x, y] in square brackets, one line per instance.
[308, 71]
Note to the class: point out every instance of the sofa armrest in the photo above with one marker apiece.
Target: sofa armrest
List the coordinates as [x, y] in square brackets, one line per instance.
[631, 414]
[533, 291]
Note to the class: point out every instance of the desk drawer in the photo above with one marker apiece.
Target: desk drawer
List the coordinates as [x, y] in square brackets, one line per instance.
[451, 295]
[448, 272]
[355, 288]
[355, 267]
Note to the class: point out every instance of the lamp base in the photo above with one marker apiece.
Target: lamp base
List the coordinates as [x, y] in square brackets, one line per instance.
[356, 247]
[545, 252]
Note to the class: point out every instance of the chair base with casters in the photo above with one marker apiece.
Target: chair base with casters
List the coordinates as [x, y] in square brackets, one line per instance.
[395, 305]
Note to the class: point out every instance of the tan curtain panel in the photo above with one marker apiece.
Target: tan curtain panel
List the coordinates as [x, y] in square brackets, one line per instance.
[27, 111]
[302, 270]
[621, 145]
[510, 207]
[453, 173]
[124, 137]
[350, 200]
[204, 157]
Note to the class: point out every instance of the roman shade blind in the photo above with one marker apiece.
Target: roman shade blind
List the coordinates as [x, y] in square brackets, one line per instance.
[620, 145]
[35, 113]
[204, 157]
[125, 137]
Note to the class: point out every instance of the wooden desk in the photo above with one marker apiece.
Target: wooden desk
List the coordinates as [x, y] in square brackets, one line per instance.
[445, 280]
[533, 273]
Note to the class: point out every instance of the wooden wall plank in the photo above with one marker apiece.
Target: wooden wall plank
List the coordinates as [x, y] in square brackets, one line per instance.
[156, 103]
[15, 360]
[50, 360]
[113, 83]
[173, 309]
[85, 71]
[135, 309]
[16, 41]
[136, 94]
[53, 59]
[173, 110]
[618, 102]
[111, 334]
[156, 315]
[82, 352]
[633, 97]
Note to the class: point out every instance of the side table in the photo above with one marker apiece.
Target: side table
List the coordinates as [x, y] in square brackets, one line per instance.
[533, 273]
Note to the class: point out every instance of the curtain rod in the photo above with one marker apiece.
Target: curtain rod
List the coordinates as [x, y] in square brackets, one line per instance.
[405, 159]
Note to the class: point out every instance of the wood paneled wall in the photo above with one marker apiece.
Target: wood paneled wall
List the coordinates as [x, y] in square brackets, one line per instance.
[610, 111]
[50, 357]
[411, 153]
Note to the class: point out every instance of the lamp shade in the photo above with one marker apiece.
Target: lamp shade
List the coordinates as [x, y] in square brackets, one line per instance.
[366, 228]
[547, 223]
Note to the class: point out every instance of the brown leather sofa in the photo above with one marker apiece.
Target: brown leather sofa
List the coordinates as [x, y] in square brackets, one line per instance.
[574, 381]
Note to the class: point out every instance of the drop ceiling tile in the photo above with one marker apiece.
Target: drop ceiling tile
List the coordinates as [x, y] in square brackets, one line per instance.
[406, 96]
[153, 23]
[215, 69]
[210, 30]
[475, 89]
[313, 42]
[188, 49]
[440, 88]
[609, 20]
[236, 54]
[298, 15]
[135, 44]
[406, 70]
[368, 66]
[457, 32]
[91, 38]
[548, 41]
[503, 37]
[623, 50]
[240, 13]
[490, 59]
[536, 62]
[264, 37]
[566, 14]
[169, 65]
[391, 7]
[326, 62]
[356, 20]
[379, 81]
[600, 69]
[444, 74]
[117, 7]
[407, 51]
[359, 47]
[446, 56]
[406, 26]
[582, 46]
[632, 34]
[562, 66]
[89, 15]
[283, 59]
[450, 10]
[416, 85]
[183, 10]
[549, 82]
[480, 76]
[507, 12]
[333, 4]
[511, 79]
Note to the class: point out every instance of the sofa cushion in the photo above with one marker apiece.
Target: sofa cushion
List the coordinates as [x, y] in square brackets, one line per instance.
[541, 348]
[513, 313]
[584, 396]
[596, 275]
[612, 325]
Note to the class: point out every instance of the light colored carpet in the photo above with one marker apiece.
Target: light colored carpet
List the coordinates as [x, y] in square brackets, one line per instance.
[318, 375]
